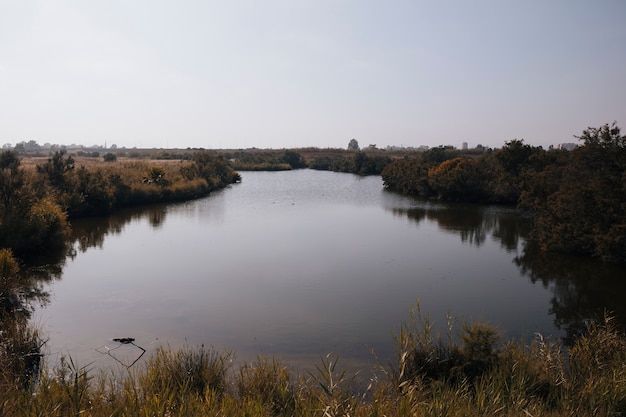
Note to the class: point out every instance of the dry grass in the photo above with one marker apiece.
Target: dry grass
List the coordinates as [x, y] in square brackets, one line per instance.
[488, 379]
[30, 162]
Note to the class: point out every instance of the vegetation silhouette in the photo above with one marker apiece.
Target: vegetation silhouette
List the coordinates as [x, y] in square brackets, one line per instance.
[576, 198]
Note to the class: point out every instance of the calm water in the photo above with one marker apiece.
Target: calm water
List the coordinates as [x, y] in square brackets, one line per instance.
[299, 264]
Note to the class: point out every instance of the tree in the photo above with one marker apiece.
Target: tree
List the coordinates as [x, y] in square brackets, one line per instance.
[110, 157]
[294, 159]
[585, 212]
[510, 163]
[28, 222]
[513, 156]
[606, 137]
[460, 179]
[57, 169]
[353, 145]
[15, 198]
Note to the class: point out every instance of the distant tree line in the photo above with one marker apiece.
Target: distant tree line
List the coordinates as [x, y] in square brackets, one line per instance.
[35, 204]
[338, 160]
[577, 198]
[357, 162]
[265, 160]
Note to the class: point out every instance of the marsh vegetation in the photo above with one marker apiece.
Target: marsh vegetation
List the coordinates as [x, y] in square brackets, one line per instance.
[576, 197]
[35, 203]
[575, 201]
[468, 371]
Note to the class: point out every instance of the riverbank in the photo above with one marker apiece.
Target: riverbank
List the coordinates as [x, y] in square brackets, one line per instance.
[431, 376]
[40, 195]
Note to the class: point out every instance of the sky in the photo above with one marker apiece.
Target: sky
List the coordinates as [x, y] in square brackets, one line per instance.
[298, 73]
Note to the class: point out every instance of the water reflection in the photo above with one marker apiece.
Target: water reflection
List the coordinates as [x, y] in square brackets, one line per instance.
[474, 224]
[91, 232]
[583, 289]
[289, 262]
[21, 292]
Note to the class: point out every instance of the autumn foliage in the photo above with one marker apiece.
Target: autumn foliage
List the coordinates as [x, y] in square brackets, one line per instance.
[577, 198]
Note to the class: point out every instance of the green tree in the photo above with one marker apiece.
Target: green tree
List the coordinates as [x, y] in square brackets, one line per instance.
[109, 157]
[57, 169]
[513, 156]
[586, 211]
[100, 192]
[353, 145]
[509, 164]
[15, 200]
[28, 222]
[294, 159]
[438, 155]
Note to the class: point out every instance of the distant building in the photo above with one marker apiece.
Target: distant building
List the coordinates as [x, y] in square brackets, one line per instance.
[567, 146]
[464, 146]
[406, 148]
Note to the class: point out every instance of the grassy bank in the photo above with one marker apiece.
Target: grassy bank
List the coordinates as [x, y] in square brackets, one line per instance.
[37, 198]
[469, 371]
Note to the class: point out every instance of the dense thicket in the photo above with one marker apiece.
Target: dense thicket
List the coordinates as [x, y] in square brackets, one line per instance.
[265, 160]
[359, 162]
[578, 198]
[35, 204]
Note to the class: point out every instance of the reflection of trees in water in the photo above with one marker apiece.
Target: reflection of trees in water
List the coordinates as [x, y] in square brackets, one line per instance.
[474, 224]
[583, 289]
[18, 294]
[20, 290]
[24, 287]
[91, 232]
[156, 218]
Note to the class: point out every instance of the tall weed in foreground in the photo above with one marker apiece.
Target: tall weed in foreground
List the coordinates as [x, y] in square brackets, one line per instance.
[334, 389]
[66, 391]
[422, 354]
[268, 383]
[185, 371]
[469, 374]
[597, 371]
[476, 378]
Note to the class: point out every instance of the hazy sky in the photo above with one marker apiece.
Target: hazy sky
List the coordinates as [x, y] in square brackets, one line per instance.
[296, 73]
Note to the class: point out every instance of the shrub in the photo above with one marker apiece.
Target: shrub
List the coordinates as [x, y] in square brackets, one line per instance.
[109, 157]
[47, 225]
[194, 371]
[268, 383]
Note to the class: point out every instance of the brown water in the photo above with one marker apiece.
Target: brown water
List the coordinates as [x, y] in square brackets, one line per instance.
[299, 264]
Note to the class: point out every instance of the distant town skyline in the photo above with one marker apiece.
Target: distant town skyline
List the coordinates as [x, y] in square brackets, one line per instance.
[32, 145]
[284, 74]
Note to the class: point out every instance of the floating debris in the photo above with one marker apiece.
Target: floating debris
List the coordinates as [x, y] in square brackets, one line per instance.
[122, 341]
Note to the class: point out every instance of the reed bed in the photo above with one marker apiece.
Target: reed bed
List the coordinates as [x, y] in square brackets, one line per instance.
[466, 372]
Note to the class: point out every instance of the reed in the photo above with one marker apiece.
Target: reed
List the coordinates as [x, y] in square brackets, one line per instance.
[467, 371]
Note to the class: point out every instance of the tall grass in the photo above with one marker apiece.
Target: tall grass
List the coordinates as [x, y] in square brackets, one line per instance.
[468, 371]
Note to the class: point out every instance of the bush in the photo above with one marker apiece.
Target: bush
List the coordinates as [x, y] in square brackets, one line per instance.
[47, 225]
[109, 157]
[268, 383]
[424, 357]
[193, 371]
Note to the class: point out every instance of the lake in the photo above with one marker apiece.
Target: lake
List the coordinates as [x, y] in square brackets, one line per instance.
[298, 264]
